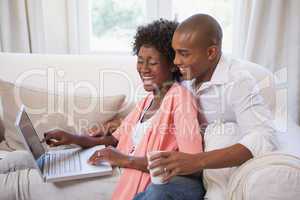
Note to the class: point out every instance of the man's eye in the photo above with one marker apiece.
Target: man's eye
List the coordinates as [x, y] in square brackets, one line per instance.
[184, 54]
[140, 62]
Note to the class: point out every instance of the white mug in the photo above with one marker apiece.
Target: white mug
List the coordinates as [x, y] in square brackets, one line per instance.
[155, 179]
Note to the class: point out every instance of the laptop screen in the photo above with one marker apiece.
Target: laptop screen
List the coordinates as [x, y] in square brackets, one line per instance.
[31, 138]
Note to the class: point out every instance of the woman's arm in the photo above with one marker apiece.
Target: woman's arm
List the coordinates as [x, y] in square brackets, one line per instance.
[59, 137]
[90, 141]
[138, 163]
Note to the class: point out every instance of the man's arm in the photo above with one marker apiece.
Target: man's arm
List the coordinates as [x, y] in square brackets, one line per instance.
[232, 156]
[254, 120]
[178, 163]
[253, 116]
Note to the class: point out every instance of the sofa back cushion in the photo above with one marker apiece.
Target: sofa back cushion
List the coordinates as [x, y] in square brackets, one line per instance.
[47, 111]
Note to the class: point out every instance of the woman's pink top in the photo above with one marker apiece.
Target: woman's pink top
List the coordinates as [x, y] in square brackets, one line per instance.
[174, 127]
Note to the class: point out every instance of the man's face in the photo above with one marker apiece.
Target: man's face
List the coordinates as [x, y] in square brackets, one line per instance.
[191, 59]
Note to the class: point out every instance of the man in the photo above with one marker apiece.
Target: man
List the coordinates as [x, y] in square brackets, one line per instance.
[238, 121]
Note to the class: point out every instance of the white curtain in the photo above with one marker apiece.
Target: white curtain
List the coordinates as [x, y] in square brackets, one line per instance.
[21, 26]
[77, 18]
[267, 32]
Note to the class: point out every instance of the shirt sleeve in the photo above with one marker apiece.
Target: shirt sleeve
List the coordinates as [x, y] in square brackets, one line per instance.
[253, 116]
[117, 133]
[123, 132]
[187, 128]
[127, 124]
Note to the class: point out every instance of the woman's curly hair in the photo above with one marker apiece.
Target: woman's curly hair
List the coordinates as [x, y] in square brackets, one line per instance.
[157, 34]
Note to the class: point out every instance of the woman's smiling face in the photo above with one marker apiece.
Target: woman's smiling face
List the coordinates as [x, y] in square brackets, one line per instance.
[153, 68]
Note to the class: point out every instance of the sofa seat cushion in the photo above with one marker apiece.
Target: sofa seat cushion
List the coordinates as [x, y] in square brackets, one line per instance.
[47, 111]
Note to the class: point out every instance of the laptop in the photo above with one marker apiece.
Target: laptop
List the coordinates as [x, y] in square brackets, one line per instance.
[58, 165]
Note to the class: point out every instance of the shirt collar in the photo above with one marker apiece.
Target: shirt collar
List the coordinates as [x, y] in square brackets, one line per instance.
[221, 73]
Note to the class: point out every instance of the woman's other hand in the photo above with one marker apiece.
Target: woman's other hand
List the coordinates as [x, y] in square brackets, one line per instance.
[109, 154]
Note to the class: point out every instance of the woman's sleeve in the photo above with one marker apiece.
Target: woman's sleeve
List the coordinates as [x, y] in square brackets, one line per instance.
[117, 133]
[186, 123]
[122, 134]
[125, 125]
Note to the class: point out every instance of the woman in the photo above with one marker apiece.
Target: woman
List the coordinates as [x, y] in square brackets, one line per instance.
[166, 119]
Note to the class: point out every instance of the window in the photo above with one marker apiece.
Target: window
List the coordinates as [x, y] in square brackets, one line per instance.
[113, 22]
[221, 10]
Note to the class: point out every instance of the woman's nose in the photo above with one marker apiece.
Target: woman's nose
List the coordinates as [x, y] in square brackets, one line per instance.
[145, 67]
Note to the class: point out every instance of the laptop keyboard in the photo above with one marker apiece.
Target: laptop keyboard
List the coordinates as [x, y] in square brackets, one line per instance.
[62, 163]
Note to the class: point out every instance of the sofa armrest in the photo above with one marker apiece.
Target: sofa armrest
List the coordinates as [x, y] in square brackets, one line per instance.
[272, 176]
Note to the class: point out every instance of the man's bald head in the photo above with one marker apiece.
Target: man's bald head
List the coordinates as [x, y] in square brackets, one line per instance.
[203, 29]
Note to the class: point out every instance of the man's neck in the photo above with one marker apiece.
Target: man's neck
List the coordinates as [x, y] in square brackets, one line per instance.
[209, 73]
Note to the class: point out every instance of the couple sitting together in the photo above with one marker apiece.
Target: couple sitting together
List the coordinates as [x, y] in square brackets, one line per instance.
[196, 95]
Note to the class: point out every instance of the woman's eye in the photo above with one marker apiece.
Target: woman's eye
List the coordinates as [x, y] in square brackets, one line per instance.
[140, 62]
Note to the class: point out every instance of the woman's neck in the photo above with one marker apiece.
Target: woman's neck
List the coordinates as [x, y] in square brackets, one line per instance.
[161, 92]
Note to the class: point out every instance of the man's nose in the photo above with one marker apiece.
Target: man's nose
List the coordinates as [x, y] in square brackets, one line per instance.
[176, 60]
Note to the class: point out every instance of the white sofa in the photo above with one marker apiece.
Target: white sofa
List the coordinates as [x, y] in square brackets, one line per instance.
[64, 91]
[274, 176]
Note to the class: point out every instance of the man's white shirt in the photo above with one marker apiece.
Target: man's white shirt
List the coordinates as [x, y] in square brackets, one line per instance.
[234, 112]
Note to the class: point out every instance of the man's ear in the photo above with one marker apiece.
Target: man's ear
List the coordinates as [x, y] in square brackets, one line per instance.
[212, 52]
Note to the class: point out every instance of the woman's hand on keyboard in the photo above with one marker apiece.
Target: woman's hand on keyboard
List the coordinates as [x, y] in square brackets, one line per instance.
[109, 154]
[58, 137]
